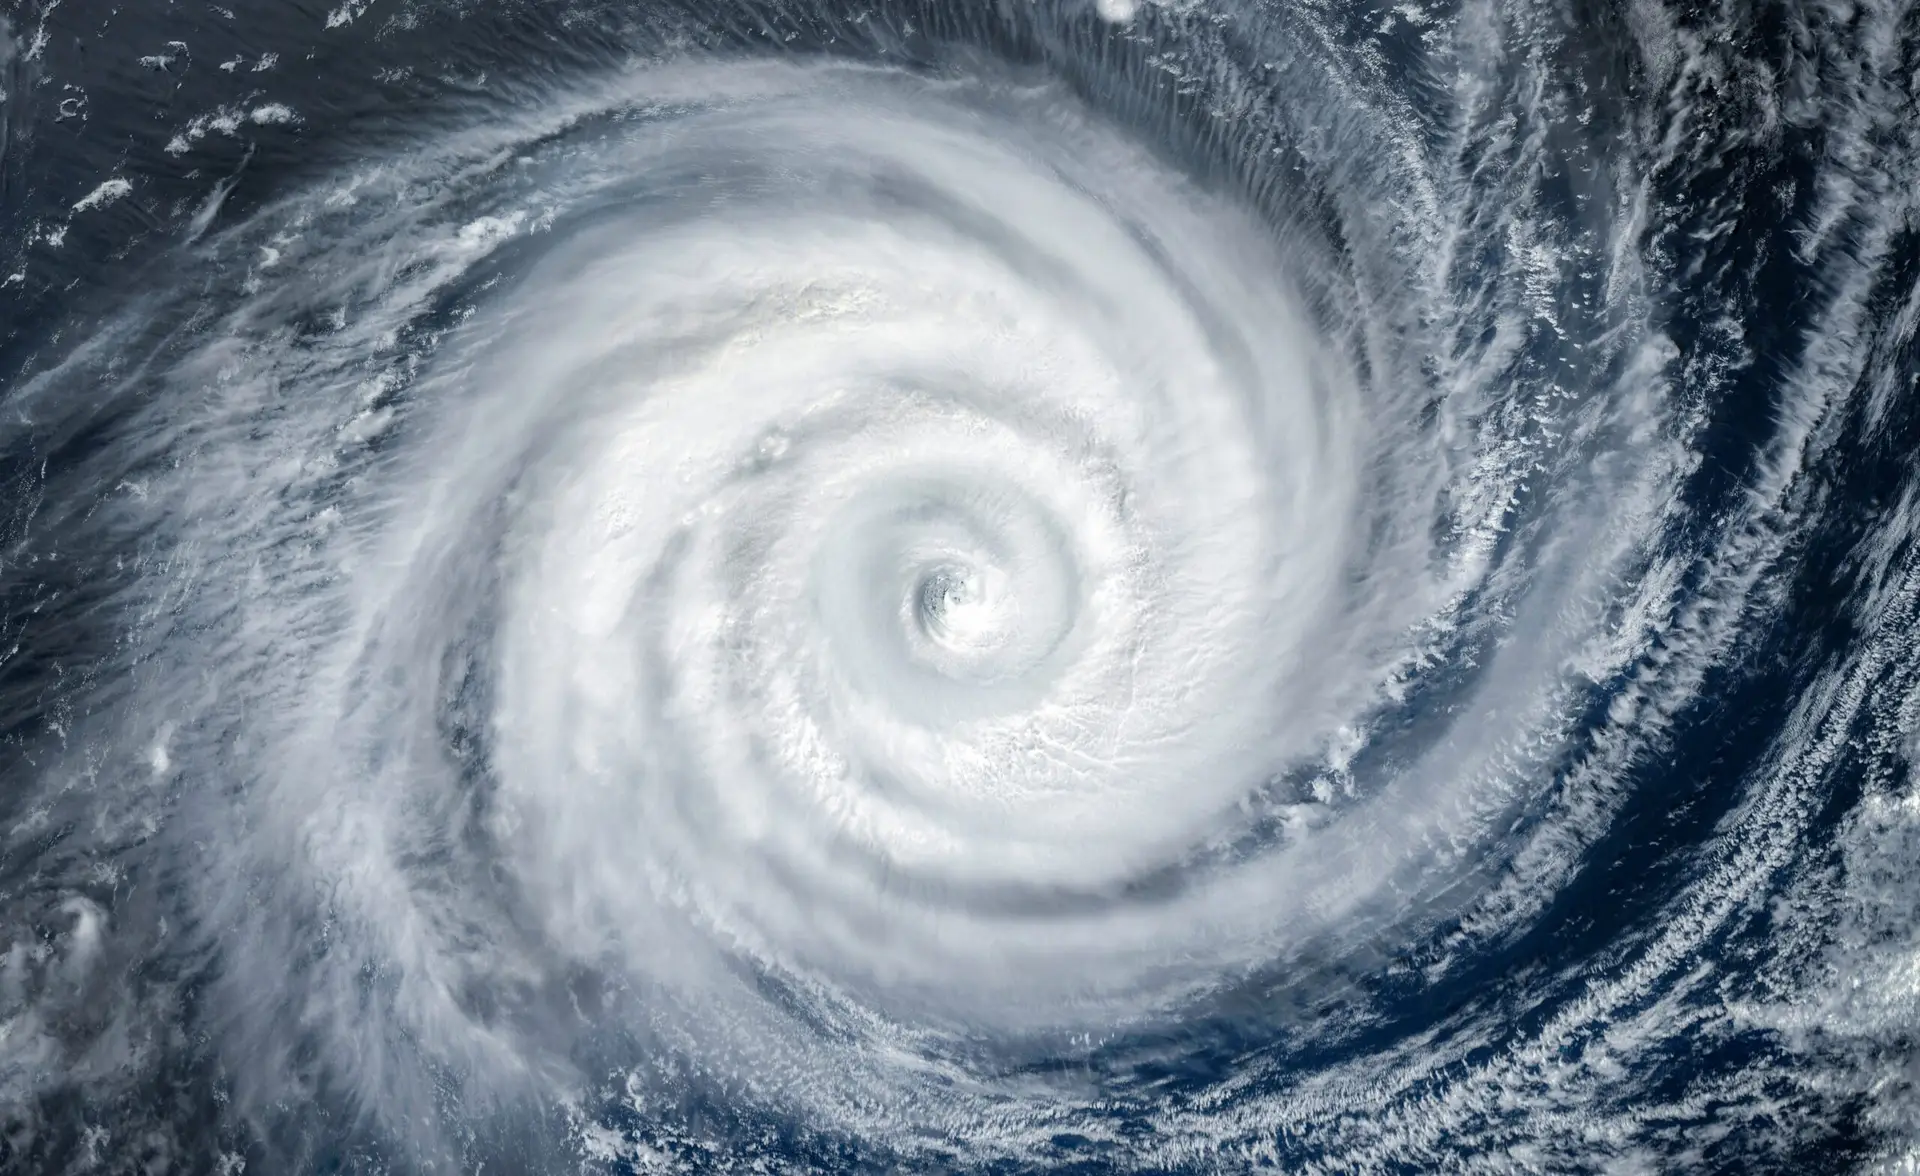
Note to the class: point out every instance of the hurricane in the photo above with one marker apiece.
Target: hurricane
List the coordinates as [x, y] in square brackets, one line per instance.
[1174, 586]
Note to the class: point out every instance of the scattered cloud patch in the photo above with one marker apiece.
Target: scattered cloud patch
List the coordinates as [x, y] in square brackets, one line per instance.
[347, 13]
[104, 195]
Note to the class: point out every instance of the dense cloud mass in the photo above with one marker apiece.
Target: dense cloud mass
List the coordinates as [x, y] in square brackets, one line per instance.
[1029, 586]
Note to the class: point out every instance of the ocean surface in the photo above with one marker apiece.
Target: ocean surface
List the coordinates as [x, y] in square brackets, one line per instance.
[1152, 586]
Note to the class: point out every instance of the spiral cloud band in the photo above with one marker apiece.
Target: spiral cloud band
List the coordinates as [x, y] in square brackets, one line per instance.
[874, 607]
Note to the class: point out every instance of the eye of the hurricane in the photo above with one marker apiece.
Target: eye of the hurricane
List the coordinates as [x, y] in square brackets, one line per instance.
[963, 609]
[948, 599]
